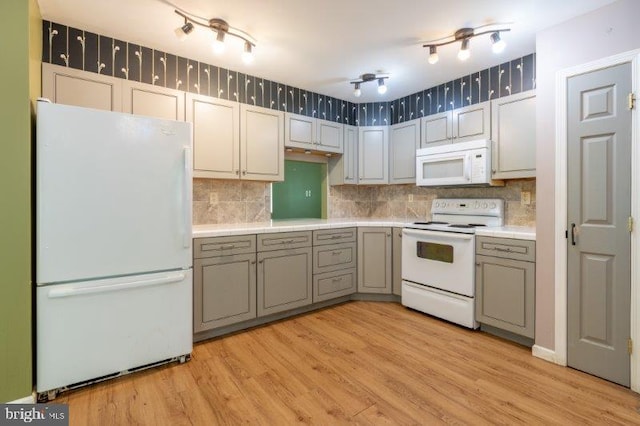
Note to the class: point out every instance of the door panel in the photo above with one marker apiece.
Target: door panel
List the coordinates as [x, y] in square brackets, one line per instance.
[153, 101]
[599, 205]
[261, 143]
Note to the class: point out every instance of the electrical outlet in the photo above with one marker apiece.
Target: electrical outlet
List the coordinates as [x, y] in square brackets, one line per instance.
[525, 198]
[411, 198]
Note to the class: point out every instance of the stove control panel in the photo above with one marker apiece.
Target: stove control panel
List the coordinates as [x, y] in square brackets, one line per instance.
[468, 206]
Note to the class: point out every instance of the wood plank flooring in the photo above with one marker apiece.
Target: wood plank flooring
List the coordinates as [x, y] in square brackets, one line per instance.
[362, 363]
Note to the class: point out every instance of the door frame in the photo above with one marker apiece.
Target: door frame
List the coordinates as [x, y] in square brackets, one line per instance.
[559, 355]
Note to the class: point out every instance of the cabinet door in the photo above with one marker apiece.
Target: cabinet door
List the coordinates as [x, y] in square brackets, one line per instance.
[67, 86]
[152, 101]
[284, 280]
[261, 143]
[404, 140]
[505, 292]
[436, 129]
[329, 136]
[472, 122]
[299, 131]
[514, 136]
[343, 169]
[224, 291]
[334, 257]
[397, 261]
[374, 260]
[373, 155]
[216, 136]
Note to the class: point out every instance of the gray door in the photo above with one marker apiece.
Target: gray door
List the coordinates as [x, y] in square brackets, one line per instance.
[599, 206]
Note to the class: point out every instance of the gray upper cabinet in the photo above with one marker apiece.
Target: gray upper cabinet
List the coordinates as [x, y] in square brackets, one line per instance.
[343, 170]
[313, 133]
[513, 130]
[67, 86]
[152, 101]
[460, 125]
[505, 284]
[373, 155]
[374, 260]
[216, 136]
[261, 143]
[437, 129]
[404, 140]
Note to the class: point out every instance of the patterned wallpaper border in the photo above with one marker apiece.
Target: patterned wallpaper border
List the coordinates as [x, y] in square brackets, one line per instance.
[83, 50]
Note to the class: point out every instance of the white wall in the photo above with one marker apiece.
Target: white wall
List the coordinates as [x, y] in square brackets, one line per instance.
[604, 32]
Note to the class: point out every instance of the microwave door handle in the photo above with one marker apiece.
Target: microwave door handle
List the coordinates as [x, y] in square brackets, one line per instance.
[468, 164]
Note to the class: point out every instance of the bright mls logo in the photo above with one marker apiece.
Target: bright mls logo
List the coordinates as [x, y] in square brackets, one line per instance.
[39, 414]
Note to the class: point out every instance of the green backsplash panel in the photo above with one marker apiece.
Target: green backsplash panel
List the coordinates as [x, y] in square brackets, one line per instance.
[300, 195]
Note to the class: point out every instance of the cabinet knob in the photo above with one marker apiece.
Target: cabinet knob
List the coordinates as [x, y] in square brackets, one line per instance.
[477, 264]
[260, 261]
[493, 171]
[244, 172]
[237, 172]
[388, 234]
[253, 262]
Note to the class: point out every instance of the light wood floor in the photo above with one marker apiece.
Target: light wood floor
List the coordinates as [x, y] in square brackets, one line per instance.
[361, 362]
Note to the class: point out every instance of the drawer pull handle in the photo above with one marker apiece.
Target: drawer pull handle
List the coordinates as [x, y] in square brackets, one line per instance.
[287, 241]
[507, 250]
[336, 280]
[336, 253]
[227, 247]
[335, 237]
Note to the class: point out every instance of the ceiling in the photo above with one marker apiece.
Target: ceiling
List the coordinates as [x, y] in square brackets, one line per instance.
[321, 45]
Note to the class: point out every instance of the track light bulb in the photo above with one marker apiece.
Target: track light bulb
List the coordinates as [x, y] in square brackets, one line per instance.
[356, 91]
[247, 54]
[498, 44]
[183, 31]
[218, 43]
[382, 89]
[433, 54]
[464, 53]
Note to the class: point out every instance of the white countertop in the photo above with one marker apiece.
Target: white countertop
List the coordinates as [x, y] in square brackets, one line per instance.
[518, 232]
[218, 230]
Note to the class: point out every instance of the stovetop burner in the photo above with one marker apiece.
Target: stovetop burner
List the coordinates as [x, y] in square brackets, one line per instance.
[431, 223]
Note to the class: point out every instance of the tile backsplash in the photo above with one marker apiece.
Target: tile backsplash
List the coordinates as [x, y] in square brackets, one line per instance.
[392, 201]
[231, 201]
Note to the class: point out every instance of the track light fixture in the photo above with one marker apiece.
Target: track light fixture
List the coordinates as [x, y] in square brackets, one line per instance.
[220, 29]
[382, 88]
[464, 35]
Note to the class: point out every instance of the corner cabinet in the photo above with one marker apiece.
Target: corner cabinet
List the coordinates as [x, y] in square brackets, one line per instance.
[513, 131]
[373, 155]
[459, 125]
[343, 170]
[404, 140]
[216, 136]
[374, 260]
[261, 143]
[505, 284]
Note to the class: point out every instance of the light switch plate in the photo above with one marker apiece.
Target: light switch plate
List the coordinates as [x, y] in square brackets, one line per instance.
[411, 198]
[525, 198]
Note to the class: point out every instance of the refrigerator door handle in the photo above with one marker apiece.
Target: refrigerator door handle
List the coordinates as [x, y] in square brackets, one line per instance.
[186, 238]
[56, 293]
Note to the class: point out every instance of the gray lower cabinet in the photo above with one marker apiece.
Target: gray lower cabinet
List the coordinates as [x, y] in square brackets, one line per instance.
[330, 285]
[374, 260]
[334, 263]
[284, 274]
[397, 261]
[224, 281]
[505, 284]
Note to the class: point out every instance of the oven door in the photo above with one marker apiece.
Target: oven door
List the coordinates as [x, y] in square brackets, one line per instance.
[450, 168]
[443, 260]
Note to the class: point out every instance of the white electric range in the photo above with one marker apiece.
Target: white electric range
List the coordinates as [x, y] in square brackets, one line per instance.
[438, 258]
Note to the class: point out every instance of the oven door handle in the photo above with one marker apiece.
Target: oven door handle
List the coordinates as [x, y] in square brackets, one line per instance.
[441, 235]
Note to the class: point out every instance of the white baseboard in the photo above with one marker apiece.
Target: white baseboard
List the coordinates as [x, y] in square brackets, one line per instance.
[544, 353]
[31, 399]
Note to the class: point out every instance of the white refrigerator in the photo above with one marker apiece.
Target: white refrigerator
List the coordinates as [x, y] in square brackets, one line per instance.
[113, 244]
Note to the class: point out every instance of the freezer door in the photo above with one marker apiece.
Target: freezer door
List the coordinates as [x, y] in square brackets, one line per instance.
[113, 194]
[87, 330]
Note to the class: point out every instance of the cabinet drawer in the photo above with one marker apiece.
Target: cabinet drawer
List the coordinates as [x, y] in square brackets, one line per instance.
[333, 236]
[508, 248]
[334, 257]
[334, 284]
[284, 240]
[223, 246]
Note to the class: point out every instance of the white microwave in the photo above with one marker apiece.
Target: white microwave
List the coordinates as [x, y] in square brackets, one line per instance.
[463, 163]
